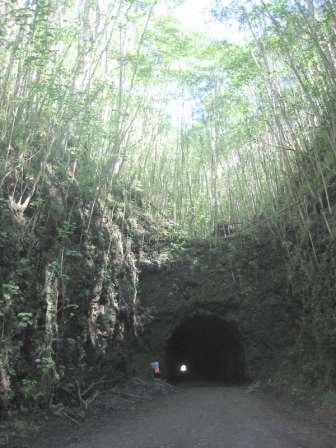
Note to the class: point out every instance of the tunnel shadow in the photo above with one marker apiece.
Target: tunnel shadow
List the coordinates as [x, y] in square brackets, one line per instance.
[205, 349]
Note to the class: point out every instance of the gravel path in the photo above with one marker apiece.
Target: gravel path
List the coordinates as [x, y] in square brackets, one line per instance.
[208, 417]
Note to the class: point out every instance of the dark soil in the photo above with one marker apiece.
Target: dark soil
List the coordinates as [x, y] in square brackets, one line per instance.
[191, 416]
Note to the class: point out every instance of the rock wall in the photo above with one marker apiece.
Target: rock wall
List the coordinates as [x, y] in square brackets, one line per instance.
[69, 293]
[275, 287]
[206, 281]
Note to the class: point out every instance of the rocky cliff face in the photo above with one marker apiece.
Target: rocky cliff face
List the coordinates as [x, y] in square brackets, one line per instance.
[274, 289]
[69, 310]
[201, 281]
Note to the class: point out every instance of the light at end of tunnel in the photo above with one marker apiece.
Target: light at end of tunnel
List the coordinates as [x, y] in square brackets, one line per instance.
[183, 368]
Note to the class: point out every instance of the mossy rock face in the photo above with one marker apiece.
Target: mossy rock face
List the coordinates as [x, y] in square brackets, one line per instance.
[69, 283]
[269, 287]
[204, 283]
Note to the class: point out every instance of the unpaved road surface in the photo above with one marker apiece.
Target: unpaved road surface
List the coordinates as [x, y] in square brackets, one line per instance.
[208, 417]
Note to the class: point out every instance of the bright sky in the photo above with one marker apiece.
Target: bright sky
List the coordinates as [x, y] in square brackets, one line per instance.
[195, 16]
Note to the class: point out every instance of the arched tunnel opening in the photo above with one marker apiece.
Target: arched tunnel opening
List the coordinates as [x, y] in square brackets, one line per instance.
[205, 349]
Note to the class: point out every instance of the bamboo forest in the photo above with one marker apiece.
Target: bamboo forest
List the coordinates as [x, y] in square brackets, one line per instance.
[167, 194]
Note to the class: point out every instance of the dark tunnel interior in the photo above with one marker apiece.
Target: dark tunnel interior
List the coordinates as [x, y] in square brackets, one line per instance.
[205, 349]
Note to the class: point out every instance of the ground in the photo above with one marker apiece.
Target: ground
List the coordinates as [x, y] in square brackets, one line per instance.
[197, 416]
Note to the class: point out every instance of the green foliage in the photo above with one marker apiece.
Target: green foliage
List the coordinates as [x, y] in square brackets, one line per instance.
[328, 399]
[10, 291]
[87, 140]
[25, 320]
[29, 389]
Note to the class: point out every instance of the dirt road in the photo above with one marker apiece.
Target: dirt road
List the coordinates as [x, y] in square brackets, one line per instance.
[208, 417]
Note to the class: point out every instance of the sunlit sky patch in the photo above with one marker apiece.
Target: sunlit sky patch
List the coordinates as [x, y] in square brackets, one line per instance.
[195, 16]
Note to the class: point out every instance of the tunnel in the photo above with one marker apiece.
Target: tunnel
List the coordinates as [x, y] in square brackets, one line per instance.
[205, 348]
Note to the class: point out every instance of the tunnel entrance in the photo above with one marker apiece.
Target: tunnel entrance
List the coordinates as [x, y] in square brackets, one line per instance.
[207, 349]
